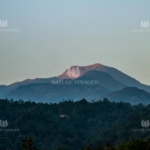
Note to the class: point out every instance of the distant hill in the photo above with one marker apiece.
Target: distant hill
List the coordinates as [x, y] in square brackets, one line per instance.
[5, 89]
[130, 94]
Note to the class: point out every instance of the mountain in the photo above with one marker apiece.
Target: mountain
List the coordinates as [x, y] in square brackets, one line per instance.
[100, 84]
[116, 74]
[130, 94]
[92, 82]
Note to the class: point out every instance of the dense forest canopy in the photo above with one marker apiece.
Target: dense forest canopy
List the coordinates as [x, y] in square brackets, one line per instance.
[71, 125]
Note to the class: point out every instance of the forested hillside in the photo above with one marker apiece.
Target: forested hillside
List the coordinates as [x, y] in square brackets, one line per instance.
[71, 125]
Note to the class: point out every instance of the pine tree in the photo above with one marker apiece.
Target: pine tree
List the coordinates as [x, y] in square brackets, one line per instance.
[27, 144]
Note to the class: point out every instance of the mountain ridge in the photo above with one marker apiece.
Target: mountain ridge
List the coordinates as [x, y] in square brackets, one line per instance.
[72, 91]
[110, 80]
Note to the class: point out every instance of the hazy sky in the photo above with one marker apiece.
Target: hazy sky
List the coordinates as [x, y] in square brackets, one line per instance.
[55, 34]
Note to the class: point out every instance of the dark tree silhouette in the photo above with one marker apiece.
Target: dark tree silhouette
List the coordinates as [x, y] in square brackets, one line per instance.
[27, 144]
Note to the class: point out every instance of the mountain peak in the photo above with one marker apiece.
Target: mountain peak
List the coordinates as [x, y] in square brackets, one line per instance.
[81, 70]
[92, 65]
[96, 64]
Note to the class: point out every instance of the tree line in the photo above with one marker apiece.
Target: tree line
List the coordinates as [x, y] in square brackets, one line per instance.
[72, 125]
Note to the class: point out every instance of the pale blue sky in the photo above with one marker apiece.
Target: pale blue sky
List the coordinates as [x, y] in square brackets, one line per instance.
[60, 33]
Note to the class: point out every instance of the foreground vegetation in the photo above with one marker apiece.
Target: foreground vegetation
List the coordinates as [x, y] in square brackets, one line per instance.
[27, 144]
[73, 125]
